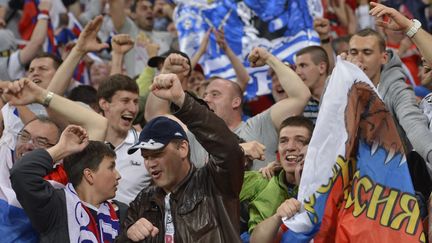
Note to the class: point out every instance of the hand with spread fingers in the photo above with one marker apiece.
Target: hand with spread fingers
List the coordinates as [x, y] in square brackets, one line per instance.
[72, 140]
[87, 40]
[121, 44]
[23, 92]
[396, 21]
[258, 57]
[270, 170]
[141, 230]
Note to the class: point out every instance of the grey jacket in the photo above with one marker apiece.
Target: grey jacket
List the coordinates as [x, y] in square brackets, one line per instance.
[399, 98]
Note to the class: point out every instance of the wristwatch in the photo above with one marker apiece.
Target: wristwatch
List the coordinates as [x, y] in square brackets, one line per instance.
[413, 30]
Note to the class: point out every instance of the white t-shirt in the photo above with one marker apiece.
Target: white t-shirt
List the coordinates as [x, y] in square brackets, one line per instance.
[168, 221]
[12, 64]
[134, 175]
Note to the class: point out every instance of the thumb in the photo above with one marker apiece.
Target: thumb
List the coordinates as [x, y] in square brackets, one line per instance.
[154, 231]
[102, 46]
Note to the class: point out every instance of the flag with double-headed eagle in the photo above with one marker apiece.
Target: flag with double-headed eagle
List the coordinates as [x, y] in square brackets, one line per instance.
[356, 185]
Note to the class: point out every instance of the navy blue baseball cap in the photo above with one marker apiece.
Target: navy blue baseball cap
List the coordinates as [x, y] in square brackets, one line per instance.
[157, 133]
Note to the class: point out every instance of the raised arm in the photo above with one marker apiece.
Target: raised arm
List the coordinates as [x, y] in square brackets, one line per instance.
[298, 93]
[38, 35]
[242, 74]
[92, 9]
[121, 44]
[399, 22]
[24, 92]
[117, 13]
[155, 106]
[35, 194]
[202, 48]
[87, 42]
[226, 156]
[146, 77]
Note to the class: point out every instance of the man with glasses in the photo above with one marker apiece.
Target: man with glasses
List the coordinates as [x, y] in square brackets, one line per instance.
[40, 132]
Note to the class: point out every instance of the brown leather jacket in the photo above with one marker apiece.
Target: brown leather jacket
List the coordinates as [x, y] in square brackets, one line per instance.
[205, 205]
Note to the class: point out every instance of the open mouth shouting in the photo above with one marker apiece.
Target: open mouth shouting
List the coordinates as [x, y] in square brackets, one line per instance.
[127, 119]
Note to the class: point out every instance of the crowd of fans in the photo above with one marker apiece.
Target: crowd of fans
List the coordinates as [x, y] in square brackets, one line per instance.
[152, 150]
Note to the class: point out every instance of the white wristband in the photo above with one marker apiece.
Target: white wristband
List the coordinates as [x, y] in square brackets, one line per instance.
[43, 16]
[413, 30]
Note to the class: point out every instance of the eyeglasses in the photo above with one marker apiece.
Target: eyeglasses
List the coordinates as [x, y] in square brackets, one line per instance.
[40, 142]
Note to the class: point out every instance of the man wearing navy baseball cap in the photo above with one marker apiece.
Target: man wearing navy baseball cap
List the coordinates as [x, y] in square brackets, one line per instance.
[158, 133]
[186, 204]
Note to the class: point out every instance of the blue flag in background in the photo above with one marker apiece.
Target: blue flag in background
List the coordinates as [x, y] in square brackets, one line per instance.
[283, 27]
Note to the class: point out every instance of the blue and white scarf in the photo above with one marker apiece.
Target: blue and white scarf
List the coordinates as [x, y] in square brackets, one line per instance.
[82, 225]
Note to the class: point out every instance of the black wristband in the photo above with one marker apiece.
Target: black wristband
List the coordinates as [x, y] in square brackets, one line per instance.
[325, 41]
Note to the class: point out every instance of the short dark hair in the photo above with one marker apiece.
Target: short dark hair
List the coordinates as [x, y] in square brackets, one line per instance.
[318, 54]
[90, 157]
[84, 93]
[114, 83]
[298, 121]
[56, 59]
[371, 32]
[45, 119]
[339, 40]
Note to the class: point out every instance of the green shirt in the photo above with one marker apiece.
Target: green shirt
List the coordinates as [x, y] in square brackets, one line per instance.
[265, 196]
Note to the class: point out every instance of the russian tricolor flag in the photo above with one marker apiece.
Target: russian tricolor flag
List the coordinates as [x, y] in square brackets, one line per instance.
[15, 226]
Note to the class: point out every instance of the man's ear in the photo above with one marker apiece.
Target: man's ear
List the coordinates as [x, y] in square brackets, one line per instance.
[384, 57]
[236, 102]
[184, 149]
[103, 104]
[322, 66]
[88, 176]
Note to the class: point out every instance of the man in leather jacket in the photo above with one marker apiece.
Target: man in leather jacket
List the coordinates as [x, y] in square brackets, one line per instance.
[186, 204]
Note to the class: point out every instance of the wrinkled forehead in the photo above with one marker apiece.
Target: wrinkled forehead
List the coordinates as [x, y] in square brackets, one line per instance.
[41, 129]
